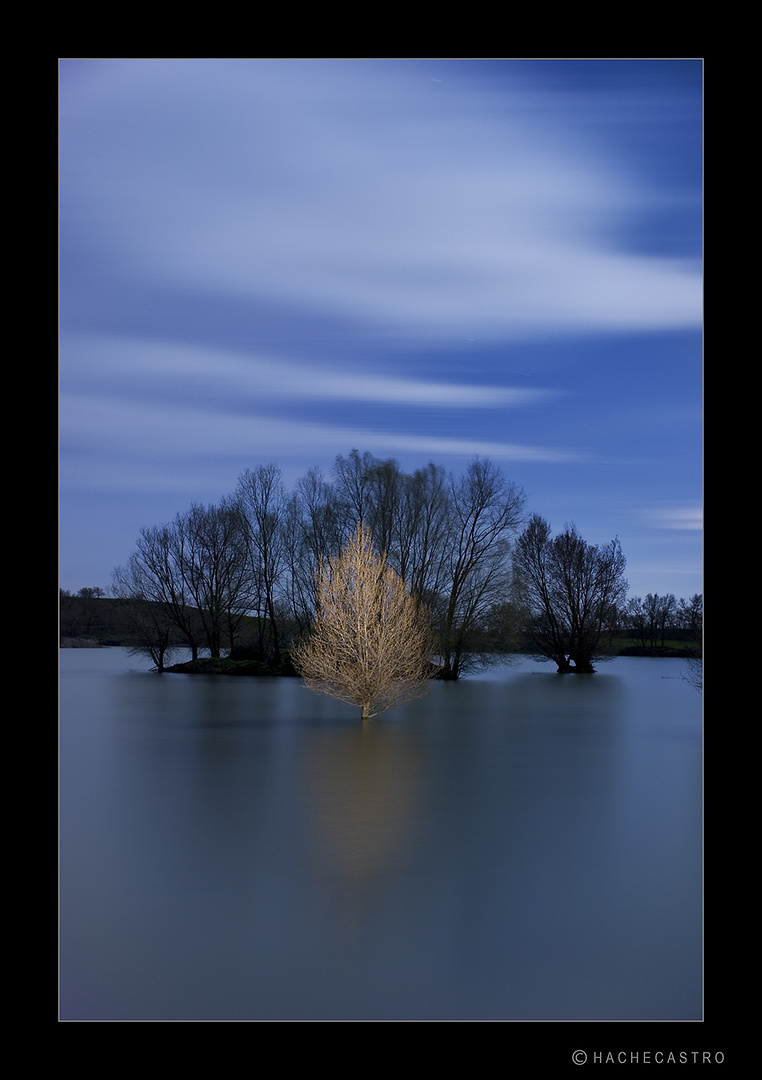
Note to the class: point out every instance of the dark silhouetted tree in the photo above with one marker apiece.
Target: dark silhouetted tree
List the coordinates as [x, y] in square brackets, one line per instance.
[484, 513]
[261, 497]
[570, 591]
[153, 629]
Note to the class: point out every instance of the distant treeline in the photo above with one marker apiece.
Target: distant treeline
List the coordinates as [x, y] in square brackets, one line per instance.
[238, 577]
[90, 619]
[656, 620]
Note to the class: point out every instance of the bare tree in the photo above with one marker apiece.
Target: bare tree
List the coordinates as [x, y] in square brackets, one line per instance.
[353, 487]
[262, 499]
[312, 532]
[571, 591]
[691, 620]
[649, 620]
[485, 512]
[212, 556]
[637, 622]
[423, 531]
[155, 575]
[152, 623]
[370, 644]
[387, 507]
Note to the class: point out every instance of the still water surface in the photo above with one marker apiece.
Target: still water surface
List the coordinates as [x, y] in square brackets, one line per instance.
[517, 846]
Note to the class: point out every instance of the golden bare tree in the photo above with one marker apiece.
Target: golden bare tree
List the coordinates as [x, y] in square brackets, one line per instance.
[371, 643]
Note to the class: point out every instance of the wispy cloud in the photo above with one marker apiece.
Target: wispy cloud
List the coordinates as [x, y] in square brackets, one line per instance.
[468, 216]
[680, 517]
[95, 429]
[143, 368]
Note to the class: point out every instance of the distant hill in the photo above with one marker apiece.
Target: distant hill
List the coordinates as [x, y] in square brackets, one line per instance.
[94, 621]
[88, 622]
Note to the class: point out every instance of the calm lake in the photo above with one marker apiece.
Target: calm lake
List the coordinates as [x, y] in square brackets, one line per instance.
[515, 846]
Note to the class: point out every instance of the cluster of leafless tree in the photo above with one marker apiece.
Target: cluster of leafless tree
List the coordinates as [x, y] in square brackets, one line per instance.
[257, 552]
[656, 619]
[249, 574]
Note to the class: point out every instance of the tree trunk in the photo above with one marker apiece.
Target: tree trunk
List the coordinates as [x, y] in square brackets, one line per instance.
[276, 658]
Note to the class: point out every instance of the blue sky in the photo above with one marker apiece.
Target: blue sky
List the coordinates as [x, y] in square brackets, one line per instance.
[279, 260]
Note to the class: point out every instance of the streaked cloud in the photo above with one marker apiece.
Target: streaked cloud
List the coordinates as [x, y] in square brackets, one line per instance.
[140, 367]
[357, 190]
[681, 517]
[96, 429]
